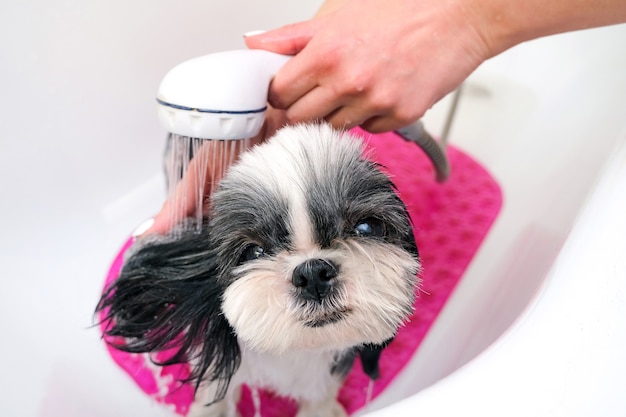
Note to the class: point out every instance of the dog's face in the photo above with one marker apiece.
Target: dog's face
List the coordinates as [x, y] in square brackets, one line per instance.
[307, 247]
[314, 247]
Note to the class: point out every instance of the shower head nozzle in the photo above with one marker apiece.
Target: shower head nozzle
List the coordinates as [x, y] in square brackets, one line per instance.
[218, 96]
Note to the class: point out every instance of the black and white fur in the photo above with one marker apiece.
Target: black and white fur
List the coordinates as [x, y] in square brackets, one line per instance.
[306, 260]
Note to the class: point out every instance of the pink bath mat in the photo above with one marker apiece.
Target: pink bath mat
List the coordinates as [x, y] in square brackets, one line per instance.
[450, 220]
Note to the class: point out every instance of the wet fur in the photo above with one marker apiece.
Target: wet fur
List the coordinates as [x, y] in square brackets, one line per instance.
[298, 197]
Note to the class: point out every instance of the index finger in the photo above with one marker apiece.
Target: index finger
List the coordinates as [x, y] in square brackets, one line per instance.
[294, 80]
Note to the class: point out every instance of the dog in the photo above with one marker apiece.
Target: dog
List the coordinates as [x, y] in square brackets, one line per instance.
[305, 260]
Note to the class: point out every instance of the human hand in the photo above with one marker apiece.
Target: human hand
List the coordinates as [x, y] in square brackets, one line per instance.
[183, 202]
[377, 64]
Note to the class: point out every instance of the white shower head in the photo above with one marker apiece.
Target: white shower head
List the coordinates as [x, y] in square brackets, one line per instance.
[218, 96]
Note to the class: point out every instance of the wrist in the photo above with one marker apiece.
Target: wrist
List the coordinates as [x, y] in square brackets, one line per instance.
[497, 22]
[503, 24]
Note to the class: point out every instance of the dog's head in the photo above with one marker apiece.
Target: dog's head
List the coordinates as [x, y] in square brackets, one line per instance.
[315, 249]
[307, 246]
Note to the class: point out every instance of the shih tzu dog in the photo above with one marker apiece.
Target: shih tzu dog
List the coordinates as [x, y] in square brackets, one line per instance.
[306, 260]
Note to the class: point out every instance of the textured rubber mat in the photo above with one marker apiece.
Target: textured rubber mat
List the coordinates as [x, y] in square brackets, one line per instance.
[450, 221]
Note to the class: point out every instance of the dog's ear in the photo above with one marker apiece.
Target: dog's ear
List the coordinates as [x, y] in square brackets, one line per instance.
[396, 214]
[370, 355]
[406, 234]
[409, 237]
[168, 297]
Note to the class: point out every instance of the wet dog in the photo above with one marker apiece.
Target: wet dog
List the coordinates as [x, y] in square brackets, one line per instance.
[305, 260]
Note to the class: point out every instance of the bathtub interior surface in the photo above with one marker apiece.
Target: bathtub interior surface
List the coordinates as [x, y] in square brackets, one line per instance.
[80, 162]
[544, 118]
[564, 356]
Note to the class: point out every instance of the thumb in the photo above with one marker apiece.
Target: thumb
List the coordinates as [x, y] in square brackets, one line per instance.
[286, 40]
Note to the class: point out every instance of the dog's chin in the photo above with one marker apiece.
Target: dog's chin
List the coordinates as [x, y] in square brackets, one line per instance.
[325, 329]
[327, 317]
[368, 301]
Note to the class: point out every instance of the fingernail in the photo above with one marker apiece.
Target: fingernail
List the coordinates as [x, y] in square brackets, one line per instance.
[253, 33]
[143, 228]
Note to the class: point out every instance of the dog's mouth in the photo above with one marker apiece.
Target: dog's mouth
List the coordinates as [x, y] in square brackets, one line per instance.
[328, 318]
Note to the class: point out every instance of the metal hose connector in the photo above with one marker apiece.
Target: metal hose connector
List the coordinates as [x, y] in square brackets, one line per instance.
[435, 152]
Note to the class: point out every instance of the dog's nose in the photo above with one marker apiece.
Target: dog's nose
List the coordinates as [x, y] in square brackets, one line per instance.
[314, 277]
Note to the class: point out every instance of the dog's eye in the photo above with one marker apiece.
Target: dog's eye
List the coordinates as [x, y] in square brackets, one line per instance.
[251, 252]
[370, 227]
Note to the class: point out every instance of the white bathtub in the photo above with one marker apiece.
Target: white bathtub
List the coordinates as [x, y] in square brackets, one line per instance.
[535, 327]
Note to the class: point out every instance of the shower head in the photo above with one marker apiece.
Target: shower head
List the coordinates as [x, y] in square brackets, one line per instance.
[218, 96]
